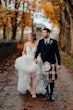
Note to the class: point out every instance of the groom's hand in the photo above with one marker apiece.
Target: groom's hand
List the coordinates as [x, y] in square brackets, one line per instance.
[58, 67]
[35, 61]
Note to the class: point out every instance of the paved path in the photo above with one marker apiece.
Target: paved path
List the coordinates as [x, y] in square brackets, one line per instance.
[10, 99]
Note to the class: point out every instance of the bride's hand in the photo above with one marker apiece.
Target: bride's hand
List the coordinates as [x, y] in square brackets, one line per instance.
[39, 54]
[35, 61]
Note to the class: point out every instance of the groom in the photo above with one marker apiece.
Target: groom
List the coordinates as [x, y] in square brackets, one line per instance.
[49, 52]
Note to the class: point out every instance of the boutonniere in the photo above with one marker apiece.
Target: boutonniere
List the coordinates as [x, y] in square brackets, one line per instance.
[51, 41]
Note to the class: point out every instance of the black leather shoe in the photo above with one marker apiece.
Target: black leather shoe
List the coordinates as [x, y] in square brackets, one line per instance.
[52, 98]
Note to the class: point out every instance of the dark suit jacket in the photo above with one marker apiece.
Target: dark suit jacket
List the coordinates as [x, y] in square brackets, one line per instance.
[50, 52]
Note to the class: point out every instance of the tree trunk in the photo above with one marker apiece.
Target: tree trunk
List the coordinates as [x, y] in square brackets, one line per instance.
[14, 32]
[4, 31]
[0, 2]
[66, 35]
[22, 35]
[14, 26]
[71, 33]
[14, 21]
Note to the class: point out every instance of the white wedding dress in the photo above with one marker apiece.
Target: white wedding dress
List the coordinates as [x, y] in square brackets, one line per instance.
[26, 66]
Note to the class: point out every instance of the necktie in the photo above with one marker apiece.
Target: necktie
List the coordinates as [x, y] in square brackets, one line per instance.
[46, 42]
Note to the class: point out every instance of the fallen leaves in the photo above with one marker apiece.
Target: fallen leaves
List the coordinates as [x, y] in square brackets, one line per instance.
[4, 68]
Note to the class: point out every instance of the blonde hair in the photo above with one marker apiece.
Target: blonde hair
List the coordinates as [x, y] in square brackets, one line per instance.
[33, 35]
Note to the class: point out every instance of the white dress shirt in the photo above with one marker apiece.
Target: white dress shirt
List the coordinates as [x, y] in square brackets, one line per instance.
[47, 40]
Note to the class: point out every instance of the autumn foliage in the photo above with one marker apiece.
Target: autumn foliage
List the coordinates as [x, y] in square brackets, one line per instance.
[11, 19]
[51, 11]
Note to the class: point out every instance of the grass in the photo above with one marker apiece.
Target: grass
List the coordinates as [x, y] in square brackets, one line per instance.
[67, 60]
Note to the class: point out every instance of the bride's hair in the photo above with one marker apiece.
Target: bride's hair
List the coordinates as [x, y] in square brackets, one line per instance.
[34, 36]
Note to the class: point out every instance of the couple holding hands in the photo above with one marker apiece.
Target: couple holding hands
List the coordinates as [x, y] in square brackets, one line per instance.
[38, 65]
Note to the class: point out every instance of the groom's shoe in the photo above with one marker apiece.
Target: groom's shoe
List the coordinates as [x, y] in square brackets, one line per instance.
[51, 97]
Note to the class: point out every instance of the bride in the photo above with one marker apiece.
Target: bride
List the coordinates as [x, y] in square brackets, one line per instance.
[29, 73]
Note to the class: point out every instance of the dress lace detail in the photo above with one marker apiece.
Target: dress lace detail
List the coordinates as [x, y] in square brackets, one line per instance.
[30, 52]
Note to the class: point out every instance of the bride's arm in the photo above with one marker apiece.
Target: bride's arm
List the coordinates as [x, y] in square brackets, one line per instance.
[24, 49]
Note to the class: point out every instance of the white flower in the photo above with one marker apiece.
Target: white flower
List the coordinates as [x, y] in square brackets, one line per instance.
[51, 42]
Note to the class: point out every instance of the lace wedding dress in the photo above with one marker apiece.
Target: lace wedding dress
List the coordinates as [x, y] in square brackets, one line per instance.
[25, 66]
